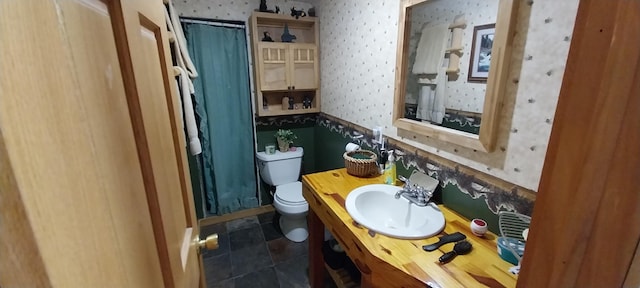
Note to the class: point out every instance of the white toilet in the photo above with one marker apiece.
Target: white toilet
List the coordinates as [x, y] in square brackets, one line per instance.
[282, 170]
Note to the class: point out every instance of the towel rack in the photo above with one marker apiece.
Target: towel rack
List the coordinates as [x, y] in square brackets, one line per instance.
[459, 23]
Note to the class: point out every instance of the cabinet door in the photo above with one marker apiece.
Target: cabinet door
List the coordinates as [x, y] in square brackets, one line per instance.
[273, 66]
[304, 66]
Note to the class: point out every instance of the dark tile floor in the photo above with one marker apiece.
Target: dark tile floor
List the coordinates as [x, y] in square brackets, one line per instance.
[254, 253]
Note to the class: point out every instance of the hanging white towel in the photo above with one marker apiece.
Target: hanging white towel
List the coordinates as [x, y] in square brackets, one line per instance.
[425, 101]
[431, 48]
[185, 72]
[431, 99]
[180, 49]
[195, 147]
[438, 109]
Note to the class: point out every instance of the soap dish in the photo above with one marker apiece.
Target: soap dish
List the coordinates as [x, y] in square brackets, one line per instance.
[423, 180]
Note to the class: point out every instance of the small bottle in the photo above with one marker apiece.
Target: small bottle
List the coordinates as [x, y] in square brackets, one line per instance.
[382, 160]
[390, 169]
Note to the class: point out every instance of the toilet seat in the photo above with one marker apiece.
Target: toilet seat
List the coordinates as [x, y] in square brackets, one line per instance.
[290, 194]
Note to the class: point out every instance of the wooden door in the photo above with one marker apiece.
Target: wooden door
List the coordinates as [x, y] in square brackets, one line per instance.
[273, 58]
[585, 229]
[304, 66]
[94, 187]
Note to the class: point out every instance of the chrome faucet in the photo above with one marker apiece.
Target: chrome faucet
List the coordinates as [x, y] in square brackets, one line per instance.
[414, 193]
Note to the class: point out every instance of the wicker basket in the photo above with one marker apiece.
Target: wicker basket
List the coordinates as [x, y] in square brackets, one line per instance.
[361, 163]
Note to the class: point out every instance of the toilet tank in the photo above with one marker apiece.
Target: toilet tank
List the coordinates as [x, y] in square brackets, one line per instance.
[280, 168]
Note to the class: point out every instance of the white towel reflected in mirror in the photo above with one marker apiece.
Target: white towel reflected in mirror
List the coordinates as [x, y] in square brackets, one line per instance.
[431, 99]
[432, 76]
[430, 50]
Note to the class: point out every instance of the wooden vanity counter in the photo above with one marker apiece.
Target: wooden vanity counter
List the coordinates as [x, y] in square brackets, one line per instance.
[389, 262]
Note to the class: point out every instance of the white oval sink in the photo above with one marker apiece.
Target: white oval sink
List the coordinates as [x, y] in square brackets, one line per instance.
[375, 207]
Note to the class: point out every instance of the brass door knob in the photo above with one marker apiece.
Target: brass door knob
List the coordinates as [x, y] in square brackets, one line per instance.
[209, 243]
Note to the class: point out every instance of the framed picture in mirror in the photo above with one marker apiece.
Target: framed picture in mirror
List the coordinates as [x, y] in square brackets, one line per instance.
[480, 60]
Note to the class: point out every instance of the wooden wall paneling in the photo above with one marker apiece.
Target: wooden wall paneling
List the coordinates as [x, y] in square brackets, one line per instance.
[585, 223]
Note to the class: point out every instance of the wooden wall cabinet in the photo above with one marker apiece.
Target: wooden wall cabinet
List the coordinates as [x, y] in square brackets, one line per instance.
[285, 69]
[287, 66]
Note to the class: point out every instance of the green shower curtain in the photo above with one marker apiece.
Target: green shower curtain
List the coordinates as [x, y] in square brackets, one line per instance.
[222, 100]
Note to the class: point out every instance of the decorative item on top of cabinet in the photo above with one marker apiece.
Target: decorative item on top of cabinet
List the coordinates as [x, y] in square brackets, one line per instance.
[283, 68]
[297, 13]
[263, 7]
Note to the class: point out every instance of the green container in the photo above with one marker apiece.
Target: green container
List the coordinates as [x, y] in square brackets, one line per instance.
[505, 253]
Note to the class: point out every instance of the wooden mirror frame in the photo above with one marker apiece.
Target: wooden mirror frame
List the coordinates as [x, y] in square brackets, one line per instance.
[496, 82]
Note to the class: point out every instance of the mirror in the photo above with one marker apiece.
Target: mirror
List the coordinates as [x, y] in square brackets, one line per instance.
[451, 69]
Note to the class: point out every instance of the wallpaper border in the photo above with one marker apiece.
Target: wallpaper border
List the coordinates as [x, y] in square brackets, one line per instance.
[498, 194]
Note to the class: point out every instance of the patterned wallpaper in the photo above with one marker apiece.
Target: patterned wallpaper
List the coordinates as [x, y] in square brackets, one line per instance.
[358, 51]
[358, 54]
[461, 95]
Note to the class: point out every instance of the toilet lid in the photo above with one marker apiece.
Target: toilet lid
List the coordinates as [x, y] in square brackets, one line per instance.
[290, 193]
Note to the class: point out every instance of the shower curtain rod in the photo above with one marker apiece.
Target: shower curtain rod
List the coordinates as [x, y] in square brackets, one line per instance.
[212, 22]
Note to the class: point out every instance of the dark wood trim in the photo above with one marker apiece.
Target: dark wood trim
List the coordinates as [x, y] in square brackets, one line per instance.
[586, 221]
[118, 20]
[236, 215]
[317, 272]
[633, 275]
